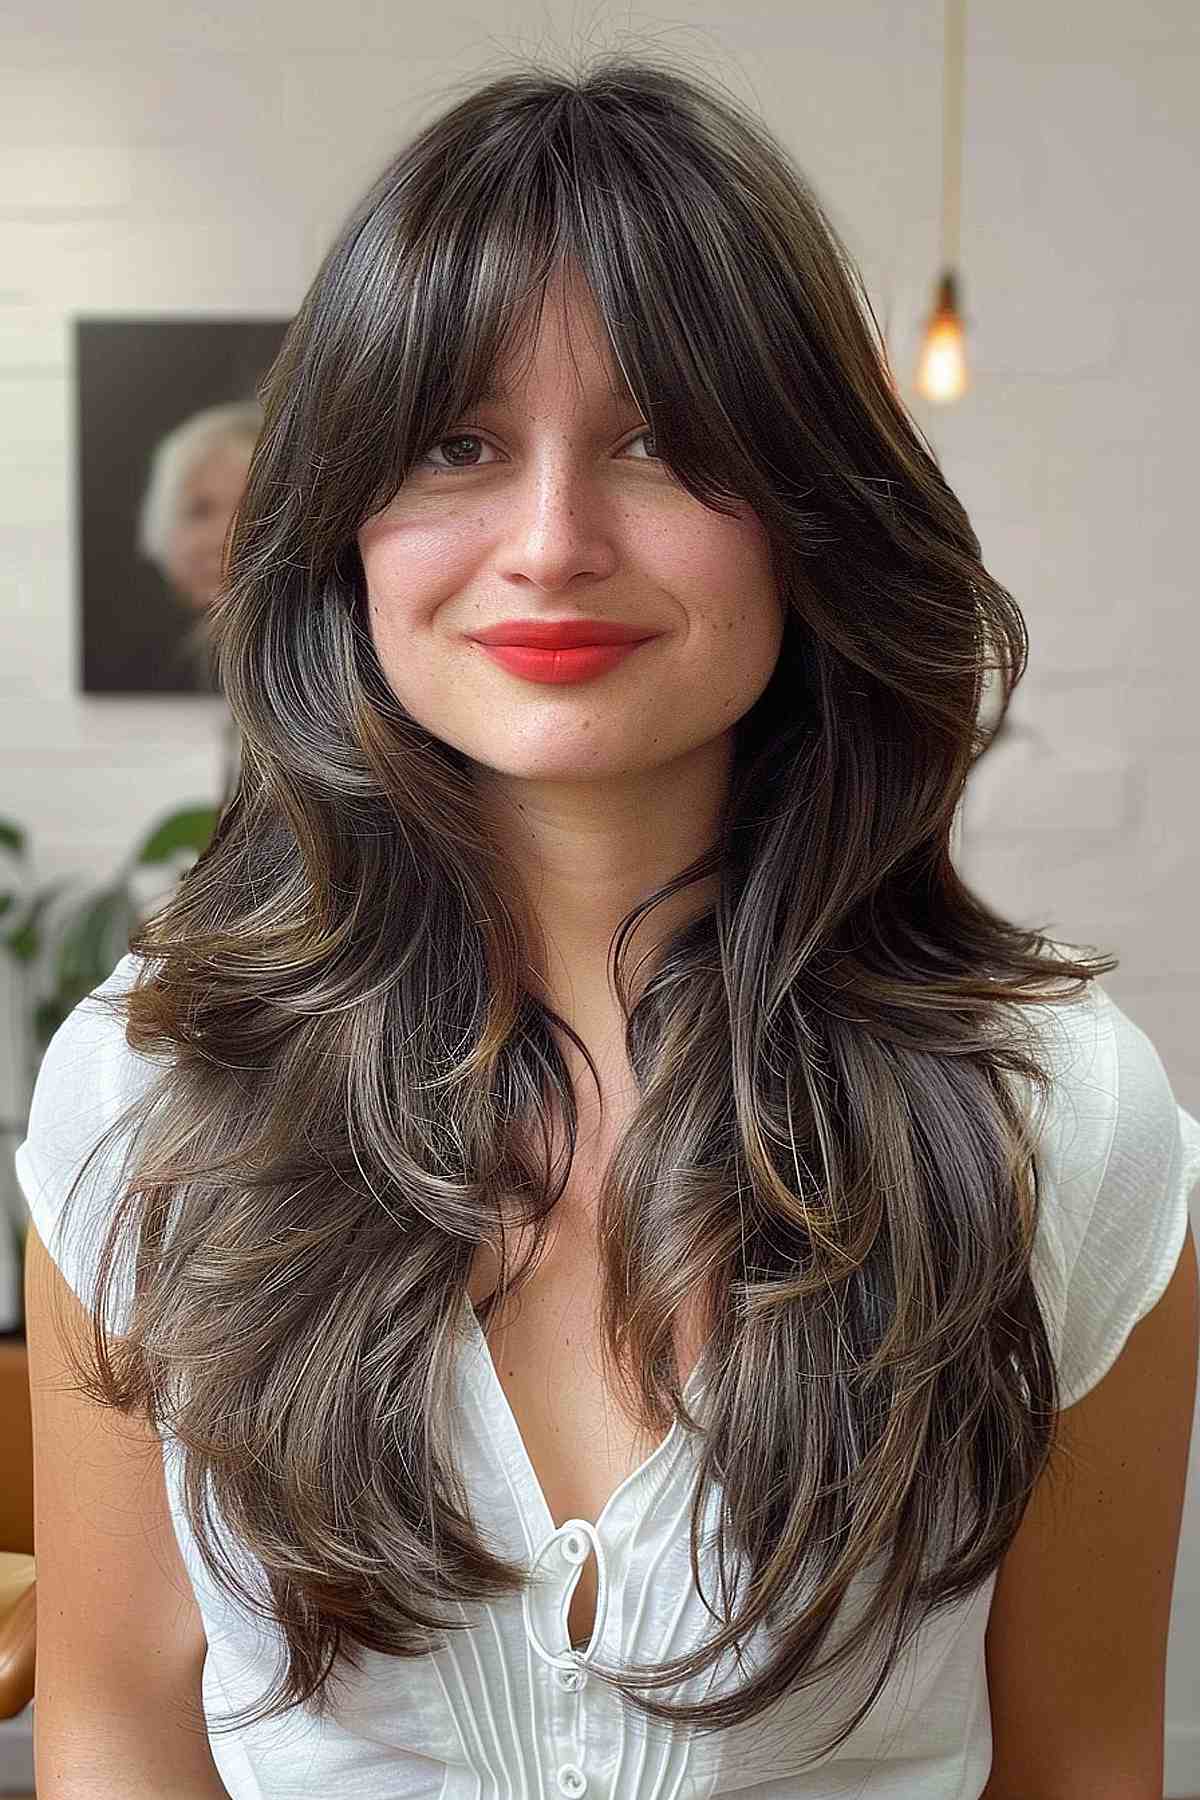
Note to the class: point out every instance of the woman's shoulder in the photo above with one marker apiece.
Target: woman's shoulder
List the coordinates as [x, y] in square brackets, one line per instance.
[87, 1077]
[1117, 1158]
[87, 1066]
[1110, 1099]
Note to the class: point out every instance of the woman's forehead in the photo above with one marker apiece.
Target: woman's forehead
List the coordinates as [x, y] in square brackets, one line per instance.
[566, 325]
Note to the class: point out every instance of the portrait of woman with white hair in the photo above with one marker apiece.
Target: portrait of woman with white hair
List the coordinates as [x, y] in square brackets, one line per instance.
[167, 413]
[196, 478]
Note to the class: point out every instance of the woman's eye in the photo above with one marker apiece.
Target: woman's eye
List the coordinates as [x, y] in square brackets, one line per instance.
[472, 437]
[460, 438]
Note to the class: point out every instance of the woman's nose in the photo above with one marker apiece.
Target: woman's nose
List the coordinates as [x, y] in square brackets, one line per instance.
[563, 519]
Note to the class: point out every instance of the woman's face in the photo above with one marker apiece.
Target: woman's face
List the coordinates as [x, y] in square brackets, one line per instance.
[208, 497]
[550, 505]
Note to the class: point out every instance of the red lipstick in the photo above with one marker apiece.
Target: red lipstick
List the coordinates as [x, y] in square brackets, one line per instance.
[560, 650]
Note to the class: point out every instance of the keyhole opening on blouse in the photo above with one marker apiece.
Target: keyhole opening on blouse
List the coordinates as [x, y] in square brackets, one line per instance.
[581, 1614]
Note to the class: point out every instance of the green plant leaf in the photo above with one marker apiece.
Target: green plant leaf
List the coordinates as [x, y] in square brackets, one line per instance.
[91, 943]
[24, 939]
[48, 1015]
[188, 829]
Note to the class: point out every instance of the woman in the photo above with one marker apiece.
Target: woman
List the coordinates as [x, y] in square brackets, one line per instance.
[197, 476]
[567, 1221]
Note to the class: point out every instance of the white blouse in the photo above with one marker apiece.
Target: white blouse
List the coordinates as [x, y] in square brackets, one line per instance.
[505, 1709]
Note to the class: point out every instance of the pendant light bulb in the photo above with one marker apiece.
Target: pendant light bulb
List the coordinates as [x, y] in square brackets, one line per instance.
[942, 366]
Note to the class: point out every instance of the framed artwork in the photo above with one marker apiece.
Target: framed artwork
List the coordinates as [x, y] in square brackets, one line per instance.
[168, 412]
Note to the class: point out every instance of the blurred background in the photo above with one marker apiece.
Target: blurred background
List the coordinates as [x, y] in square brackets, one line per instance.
[170, 176]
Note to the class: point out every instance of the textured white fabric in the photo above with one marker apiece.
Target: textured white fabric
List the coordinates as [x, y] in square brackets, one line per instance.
[506, 1711]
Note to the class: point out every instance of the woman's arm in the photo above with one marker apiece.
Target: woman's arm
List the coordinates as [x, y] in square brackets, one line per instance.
[120, 1640]
[1077, 1633]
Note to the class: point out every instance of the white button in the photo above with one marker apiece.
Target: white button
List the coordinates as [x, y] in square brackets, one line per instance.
[571, 1679]
[575, 1549]
[572, 1780]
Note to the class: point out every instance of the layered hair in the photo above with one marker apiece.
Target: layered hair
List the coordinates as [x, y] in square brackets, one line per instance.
[837, 1059]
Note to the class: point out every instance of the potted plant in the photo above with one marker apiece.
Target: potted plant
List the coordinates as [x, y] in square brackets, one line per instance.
[60, 940]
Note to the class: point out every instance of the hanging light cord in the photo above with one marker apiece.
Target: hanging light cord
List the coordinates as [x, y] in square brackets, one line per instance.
[952, 119]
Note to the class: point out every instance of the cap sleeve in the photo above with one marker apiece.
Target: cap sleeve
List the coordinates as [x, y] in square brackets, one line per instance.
[87, 1076]
[1119, 1158]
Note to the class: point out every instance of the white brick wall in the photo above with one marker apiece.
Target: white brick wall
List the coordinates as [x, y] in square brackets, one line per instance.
[161, 158]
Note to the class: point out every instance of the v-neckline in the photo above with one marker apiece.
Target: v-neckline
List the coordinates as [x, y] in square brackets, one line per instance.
[494, 1388]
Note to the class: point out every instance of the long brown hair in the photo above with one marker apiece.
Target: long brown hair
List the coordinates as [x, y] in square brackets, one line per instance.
[835, 1059]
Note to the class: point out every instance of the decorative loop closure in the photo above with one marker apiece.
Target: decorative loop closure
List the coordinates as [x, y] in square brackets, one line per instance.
[565, 1549]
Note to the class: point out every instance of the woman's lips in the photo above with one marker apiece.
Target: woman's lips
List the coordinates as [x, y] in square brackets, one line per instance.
[556, 666]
